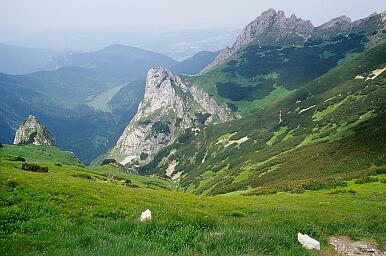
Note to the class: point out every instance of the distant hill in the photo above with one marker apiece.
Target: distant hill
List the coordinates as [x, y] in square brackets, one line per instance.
[86, 111]
[194, 64]
[86, 102]
[22, 60]
[118, 61]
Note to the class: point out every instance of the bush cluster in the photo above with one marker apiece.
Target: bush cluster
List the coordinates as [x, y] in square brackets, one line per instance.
[367, 179]
[34, 167]
[17, 159]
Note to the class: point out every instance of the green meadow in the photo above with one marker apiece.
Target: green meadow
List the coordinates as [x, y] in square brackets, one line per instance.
[72, 210]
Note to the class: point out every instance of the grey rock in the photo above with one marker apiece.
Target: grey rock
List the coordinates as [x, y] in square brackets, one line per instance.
[271, 27]
[169, 107]
[32, 132]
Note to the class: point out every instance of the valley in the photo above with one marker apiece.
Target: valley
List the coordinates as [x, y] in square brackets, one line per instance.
[240, 151]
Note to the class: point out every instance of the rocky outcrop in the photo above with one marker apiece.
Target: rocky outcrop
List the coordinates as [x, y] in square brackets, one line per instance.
[270, 28]
[169, 107]
[32, 132]
[273, 28]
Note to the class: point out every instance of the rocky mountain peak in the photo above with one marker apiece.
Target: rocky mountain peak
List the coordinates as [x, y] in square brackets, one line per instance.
[339, 21]
[170, 106]
[32, 132]
[271, 27]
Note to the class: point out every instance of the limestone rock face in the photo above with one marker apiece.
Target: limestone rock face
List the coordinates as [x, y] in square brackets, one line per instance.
[32, 132]
[271, 27]
[169, 107]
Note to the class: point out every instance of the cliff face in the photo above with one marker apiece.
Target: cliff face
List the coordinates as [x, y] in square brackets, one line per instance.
[32, 132]
[169, 107]
[271, 27]
[275, 29]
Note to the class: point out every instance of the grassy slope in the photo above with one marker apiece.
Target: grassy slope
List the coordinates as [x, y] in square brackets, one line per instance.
[331, 108]
[263, 74]
[52, 156]
[41, 154]
[63, 213]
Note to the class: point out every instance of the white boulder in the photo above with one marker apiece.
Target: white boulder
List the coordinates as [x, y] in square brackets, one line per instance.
[308, 242]
[146, 215]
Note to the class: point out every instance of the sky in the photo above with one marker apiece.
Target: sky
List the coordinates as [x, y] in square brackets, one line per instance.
[42, 14]
[24, 18]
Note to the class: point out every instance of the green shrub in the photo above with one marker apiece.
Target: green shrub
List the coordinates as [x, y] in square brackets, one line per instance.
[160, 127]
[58, 164]
[143, 156]
[343, 191]
[34, 167]
[108, 161]
[367, 179]
[12, 183]
[17, 159]
[237, 214]
[84, 176]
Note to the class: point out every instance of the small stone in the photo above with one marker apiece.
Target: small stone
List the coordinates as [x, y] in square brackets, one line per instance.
[308, 242]
[146, 215]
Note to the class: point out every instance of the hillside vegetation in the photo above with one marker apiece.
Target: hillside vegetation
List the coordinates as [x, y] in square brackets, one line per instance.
[75, 211]
[331, 128]
[259, 74]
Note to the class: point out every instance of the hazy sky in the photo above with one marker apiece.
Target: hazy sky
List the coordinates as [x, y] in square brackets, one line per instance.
[37, 15]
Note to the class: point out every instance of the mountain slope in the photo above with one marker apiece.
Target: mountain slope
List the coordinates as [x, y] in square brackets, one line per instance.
[118, 61]
[72, 103]
[96, 211]
[169, 107]
[194, 64]
[309, 136]
[86, 103]
[273, 28]
[262, 68]
[22, 60]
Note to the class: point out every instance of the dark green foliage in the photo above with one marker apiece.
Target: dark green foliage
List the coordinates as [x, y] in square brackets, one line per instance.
[84, 175]
[17, 158]
[108, 161]
[201, 118]
[300, 186]
[341, 136]
[58, 164]
[236, 92]
[343, 191]
[34, 167]
[295, 65]
[367, 179]
[144, 122]
[1, 145]
[160, 127]
[143, 155]
[12, 183]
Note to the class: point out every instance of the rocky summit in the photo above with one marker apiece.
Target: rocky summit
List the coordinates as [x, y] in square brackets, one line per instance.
[170, 106]
[270, 26]
[273, 28]
[32, 132]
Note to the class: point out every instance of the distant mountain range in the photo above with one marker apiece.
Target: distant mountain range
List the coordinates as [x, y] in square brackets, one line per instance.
[86, 102]
[22, 60]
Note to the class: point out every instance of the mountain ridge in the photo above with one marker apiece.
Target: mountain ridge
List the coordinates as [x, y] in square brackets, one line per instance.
[274, 28]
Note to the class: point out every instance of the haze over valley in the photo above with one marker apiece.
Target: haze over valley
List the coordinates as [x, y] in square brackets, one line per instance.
[192, 128]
